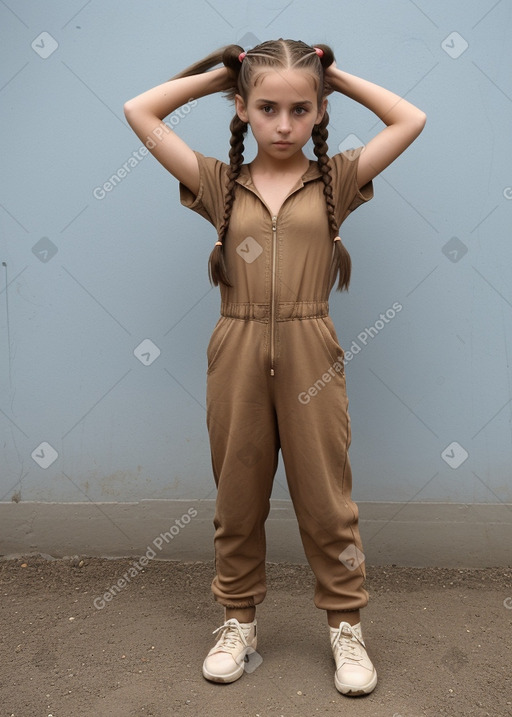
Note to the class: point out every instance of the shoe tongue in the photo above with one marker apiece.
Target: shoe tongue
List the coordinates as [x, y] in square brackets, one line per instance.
[347, 630]
[355, 629]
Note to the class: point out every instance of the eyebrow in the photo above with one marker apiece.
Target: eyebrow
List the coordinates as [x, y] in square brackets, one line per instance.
[271, 102]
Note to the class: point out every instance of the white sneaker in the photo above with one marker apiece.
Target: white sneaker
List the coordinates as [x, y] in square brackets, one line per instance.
[225, 661]
[355, 674]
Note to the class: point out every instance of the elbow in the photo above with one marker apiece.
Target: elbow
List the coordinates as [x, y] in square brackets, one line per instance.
[421, 121]
[416, 124]
[130, 113]
[127, 108]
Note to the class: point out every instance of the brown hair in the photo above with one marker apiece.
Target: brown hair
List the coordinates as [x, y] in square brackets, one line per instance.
[285, 54]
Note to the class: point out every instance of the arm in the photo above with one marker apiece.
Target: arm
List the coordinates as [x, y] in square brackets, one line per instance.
[404, 121]
[145, 113]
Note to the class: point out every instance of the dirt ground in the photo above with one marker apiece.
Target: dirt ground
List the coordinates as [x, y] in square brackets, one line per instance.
[440, 640]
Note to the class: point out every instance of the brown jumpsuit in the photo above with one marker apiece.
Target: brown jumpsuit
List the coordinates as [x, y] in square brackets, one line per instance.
[276, 380]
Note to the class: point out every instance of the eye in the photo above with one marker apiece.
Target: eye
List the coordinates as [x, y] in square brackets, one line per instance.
[300, 110]
[267, 109]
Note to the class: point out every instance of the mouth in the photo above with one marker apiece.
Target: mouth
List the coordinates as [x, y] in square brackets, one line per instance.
[283, 144]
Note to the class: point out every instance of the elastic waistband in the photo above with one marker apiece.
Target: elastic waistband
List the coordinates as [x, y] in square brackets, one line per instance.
[284, 311]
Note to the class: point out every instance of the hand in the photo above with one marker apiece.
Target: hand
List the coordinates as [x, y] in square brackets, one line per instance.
[227, 79]
[329, 70]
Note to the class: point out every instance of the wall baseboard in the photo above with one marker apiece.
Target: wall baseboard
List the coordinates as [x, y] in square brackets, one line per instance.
[403, 534]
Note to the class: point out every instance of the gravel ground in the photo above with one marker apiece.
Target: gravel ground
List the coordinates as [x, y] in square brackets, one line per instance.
[440, 640]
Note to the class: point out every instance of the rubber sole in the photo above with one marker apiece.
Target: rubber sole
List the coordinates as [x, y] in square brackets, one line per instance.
[224, 679]
[351, 691]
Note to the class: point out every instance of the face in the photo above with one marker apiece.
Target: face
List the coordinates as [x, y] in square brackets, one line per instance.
[281, 109]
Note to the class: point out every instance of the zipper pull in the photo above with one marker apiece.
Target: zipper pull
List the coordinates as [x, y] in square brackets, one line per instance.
[274, 223]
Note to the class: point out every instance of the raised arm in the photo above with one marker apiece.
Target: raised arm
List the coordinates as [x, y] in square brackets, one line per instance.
[404, 121]
[145, 113]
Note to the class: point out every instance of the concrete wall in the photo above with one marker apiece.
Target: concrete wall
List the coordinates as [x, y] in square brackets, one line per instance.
[106, 309]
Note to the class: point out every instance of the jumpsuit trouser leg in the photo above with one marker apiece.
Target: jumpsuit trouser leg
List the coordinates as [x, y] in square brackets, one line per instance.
[252, 415]
[315, 435]
[244, 445]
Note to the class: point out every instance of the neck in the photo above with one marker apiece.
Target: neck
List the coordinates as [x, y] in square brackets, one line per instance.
[268, 165]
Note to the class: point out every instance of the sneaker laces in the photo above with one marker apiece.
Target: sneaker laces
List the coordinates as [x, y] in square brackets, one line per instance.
[231, 635]
[347, 644]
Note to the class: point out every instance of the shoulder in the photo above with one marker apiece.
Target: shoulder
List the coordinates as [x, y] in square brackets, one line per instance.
[212, 174]
[344, 179]
[210, 164]
[346, 160]
[208, 201]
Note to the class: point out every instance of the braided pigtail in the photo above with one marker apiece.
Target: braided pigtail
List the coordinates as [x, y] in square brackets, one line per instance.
[341, 264]
[217, 270]
[217, 265]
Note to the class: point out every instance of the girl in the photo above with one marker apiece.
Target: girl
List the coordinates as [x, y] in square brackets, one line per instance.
[275, 377]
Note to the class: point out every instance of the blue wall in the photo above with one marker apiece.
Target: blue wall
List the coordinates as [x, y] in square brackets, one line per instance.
[85, 280]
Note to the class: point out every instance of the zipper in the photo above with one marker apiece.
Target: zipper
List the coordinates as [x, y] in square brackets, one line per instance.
[273, 280]
[272, 295]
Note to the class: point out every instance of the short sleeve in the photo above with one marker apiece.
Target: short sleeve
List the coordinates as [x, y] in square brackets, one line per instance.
[209, 201]
[347, 195]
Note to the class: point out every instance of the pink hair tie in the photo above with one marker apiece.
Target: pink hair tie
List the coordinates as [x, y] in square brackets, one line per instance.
[241, 56]
[319, 51]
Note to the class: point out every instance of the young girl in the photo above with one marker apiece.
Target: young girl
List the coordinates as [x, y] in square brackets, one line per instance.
[275, 378]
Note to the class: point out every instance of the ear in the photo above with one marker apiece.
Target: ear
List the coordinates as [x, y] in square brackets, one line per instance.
[241, 108]
[321, 111]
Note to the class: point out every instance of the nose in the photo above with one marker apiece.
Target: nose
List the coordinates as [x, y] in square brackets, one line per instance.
[283, 125]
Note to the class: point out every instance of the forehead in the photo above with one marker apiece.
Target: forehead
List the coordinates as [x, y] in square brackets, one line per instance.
[284, 85]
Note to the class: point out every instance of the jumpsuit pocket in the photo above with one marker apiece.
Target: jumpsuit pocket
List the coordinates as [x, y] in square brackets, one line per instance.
[221, 330]
[330, 339]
